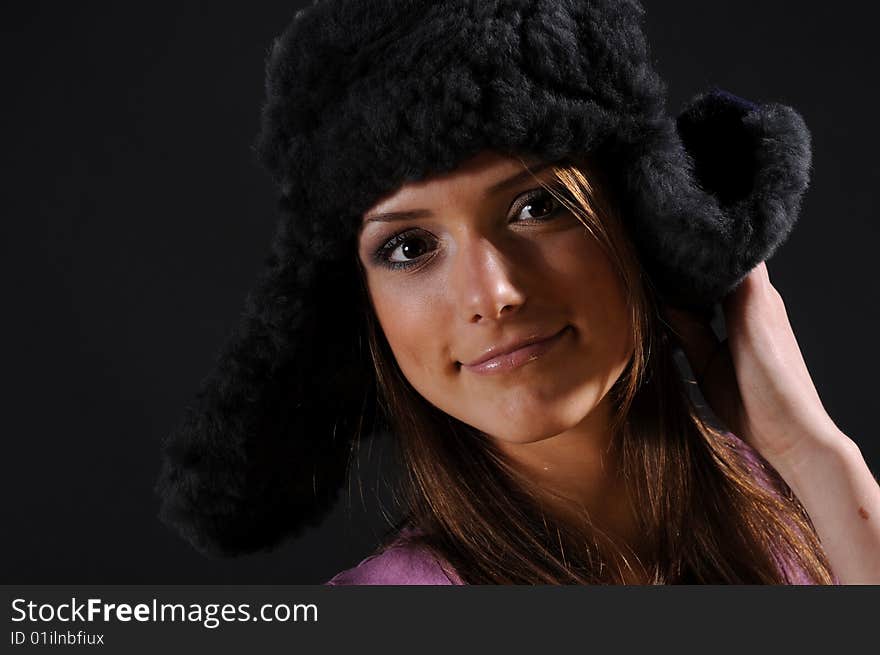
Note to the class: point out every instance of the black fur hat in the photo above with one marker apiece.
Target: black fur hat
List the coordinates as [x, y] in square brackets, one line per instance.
[365, 95]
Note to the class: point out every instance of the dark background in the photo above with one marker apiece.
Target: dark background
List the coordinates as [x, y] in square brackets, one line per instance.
[135, 219]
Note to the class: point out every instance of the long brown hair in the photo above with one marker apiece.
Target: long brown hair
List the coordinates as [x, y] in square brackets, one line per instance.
[705, 514]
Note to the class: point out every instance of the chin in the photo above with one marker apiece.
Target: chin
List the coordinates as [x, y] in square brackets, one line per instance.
[523, 431]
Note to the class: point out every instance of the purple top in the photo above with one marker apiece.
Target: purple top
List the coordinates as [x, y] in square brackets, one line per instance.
[407, 564]
[400, 564]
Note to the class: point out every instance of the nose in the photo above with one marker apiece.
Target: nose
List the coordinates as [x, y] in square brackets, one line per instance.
[486, 280]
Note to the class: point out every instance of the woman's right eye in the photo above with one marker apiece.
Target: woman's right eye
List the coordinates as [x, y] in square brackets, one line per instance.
[410, 246]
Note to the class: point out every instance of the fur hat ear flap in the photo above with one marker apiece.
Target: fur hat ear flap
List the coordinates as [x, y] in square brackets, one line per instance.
[264, 450]
[713, 193]
[755, 160]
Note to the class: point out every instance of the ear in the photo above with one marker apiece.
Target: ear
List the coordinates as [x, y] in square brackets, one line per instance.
[263, 451]
[755, 160]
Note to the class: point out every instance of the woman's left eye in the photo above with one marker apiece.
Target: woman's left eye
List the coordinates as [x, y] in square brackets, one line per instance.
[540, 203]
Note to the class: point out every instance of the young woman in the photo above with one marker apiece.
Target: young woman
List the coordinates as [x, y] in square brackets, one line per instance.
[582, 458]
[492, 240]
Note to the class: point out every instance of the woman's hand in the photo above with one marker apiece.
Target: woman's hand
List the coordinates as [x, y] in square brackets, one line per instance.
[756, 381]
[758, 385]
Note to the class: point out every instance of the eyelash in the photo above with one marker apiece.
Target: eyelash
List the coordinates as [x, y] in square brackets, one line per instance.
[382, 255]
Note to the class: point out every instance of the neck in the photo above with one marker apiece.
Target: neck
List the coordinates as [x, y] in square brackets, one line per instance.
[579, 476]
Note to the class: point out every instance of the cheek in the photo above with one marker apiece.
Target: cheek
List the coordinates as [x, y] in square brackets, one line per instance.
[411, 320]
[597, 294]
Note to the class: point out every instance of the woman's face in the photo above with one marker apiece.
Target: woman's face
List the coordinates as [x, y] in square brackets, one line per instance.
[489, 264]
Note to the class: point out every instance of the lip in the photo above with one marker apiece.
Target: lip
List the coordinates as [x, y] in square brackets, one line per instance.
[516, 358]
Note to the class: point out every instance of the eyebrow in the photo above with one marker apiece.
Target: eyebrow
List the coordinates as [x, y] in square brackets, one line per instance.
[522, 176]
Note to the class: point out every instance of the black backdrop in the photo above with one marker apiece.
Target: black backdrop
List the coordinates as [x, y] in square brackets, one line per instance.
[135, 219]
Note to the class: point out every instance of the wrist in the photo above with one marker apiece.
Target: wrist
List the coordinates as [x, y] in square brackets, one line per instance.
[814, 454]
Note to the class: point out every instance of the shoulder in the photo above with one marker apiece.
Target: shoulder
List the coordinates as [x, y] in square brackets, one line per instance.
[760, 469]
[764, 473]
[401, 563]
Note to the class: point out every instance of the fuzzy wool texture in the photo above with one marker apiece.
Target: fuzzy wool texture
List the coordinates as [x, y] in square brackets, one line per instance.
[365, 95]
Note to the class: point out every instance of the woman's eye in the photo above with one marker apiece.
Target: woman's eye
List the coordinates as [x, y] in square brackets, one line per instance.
[540, 203]
[407, 245]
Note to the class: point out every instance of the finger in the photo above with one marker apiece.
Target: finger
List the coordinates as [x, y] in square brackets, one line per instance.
[750, 289]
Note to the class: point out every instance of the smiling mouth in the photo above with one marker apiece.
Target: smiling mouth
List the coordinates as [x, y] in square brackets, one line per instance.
[519, 357]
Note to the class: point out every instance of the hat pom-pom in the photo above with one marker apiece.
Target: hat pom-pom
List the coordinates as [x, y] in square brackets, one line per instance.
[755, 160]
